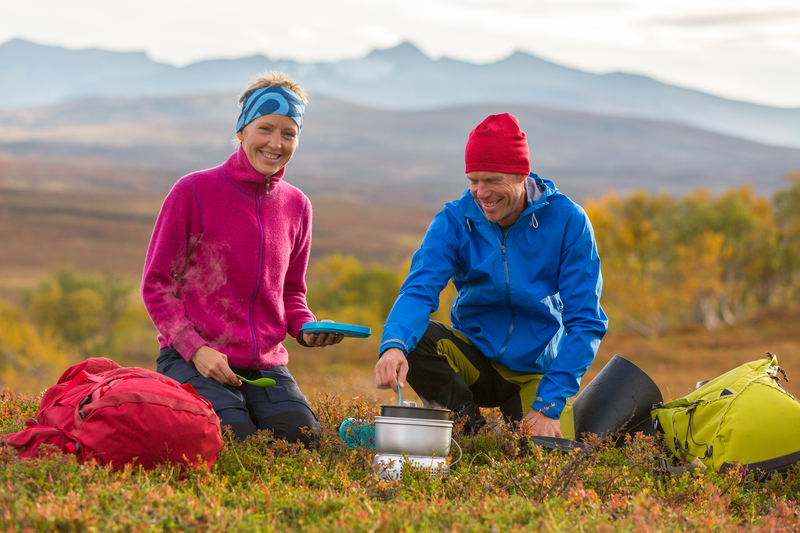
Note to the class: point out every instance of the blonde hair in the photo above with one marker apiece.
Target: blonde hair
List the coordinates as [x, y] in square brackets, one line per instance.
[274, 78]
[271, 78]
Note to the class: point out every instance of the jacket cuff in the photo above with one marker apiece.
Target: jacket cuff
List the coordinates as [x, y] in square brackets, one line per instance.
[293, 326]
[549, 409]
[394, 343]
[187, 342]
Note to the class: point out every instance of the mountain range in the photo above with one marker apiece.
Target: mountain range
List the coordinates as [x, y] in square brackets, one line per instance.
[396, 79]
[381, 156]
[388, 128]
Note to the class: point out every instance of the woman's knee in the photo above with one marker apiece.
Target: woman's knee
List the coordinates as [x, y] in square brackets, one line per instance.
[239, 431]
[293, 426]
[237, 423]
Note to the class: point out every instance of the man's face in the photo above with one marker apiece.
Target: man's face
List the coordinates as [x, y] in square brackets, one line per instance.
[501, 196]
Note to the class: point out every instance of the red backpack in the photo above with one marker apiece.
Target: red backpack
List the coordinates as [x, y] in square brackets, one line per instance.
[118, 416]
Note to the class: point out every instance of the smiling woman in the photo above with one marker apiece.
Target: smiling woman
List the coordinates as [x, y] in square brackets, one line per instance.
[270, 122]
[269, 142]
[224, 289]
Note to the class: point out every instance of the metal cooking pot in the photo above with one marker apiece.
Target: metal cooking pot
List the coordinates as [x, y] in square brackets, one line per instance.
[413, 436]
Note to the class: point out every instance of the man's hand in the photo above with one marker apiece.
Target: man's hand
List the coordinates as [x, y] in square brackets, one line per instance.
[391, 369]
[213, 364]
[536, 423]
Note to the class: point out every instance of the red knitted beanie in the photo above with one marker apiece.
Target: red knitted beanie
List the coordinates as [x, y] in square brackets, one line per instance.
[498, 145]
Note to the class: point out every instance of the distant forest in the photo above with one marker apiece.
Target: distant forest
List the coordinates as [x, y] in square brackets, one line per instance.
[666, 261]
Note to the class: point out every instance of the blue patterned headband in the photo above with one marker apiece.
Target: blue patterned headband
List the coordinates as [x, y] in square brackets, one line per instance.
[271, 101]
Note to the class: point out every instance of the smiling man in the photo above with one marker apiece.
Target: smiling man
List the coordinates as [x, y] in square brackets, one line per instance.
[527, 320]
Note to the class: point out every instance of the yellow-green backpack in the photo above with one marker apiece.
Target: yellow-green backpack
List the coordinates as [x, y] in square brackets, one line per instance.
[744, 416]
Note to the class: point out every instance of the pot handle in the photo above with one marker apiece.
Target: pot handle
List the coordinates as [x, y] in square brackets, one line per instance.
[460, 454]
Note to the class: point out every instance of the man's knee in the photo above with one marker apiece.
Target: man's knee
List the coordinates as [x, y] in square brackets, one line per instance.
[427, 343]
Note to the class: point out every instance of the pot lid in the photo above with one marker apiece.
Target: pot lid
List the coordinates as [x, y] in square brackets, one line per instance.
[408, 411]
[411, 422]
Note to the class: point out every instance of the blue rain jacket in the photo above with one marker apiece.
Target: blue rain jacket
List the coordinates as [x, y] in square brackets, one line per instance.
[529, 301]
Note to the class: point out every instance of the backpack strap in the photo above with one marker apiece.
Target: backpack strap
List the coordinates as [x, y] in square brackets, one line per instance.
[684, 449]
[764, 469]
[29, 441]
[74, 382]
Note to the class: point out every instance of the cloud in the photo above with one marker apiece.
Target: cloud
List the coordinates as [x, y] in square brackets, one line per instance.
[729, 19]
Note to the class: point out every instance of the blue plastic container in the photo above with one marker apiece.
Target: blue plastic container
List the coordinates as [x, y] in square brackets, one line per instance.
[357, 433]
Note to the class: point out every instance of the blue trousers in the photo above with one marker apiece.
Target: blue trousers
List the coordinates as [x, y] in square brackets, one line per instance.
[244, 410]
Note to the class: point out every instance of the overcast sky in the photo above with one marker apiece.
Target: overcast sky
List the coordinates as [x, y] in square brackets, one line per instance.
[741, 49]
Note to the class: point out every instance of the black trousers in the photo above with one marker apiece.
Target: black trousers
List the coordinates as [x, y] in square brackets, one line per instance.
[447, 370]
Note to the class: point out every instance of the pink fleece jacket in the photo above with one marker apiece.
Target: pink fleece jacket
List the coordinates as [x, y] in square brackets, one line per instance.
[227, 262]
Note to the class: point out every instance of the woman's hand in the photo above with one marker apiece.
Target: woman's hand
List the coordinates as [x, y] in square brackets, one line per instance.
[321, 340]
[213, 364]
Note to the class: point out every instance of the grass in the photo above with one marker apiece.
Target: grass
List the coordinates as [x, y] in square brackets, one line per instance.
[263, 485]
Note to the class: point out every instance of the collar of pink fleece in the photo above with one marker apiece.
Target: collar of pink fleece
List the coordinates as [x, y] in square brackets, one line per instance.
[239, 170]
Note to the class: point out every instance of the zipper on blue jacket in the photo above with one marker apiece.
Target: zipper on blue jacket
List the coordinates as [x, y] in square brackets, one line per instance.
[258, 275]
[508, 293]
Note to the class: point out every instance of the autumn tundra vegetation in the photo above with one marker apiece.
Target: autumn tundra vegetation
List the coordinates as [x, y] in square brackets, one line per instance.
[693, 286]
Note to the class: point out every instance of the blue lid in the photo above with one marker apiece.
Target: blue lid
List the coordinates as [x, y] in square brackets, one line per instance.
[348, 330]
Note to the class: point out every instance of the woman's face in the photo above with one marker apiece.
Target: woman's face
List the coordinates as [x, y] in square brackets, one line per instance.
[269, 142]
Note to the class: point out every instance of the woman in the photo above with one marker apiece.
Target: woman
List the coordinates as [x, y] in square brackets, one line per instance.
[224, 277]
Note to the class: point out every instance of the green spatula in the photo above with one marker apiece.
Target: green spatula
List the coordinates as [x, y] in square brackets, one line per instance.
[260, 382]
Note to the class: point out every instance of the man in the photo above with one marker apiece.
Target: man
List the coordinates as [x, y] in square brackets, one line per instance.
[527, 320]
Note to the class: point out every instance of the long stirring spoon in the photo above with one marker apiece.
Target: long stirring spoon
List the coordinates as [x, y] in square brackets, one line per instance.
[399, 393]
[260, 382]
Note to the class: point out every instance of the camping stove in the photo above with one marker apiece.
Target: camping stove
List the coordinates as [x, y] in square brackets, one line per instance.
[408, 437]
[391, 466]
